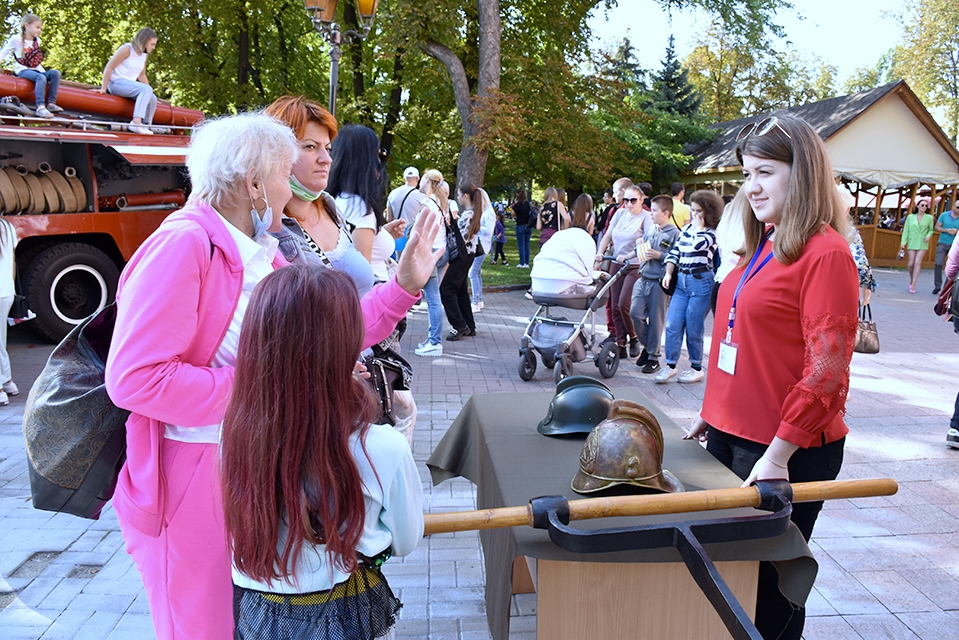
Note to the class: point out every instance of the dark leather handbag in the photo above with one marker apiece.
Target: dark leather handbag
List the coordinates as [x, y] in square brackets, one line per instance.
[20, 309]
[944, 302]
[389, 372]
[672, 284]
[75, 435]
[867, 337]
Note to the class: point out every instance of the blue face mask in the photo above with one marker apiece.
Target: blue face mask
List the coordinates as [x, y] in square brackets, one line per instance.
[261, 224]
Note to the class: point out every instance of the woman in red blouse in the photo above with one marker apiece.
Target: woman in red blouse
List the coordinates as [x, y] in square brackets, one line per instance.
[791, 306]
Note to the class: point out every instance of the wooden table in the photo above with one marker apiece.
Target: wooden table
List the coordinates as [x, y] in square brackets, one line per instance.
[638, 594]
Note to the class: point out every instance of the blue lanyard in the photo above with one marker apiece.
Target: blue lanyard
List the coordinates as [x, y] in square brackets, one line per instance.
[746, 277]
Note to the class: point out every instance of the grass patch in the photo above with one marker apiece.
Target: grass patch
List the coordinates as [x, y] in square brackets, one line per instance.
[498, 275]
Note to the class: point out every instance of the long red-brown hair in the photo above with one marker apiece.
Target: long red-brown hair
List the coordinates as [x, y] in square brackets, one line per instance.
[285, 452]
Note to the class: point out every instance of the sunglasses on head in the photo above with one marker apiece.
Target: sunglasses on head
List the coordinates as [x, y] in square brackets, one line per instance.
[761, 128]
[630, 200]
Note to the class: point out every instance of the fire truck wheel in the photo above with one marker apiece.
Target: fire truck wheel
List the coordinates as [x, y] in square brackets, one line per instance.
[66, 283]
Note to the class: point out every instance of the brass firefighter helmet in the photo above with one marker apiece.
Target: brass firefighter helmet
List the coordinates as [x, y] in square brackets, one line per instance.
[625, 449]
[580, 403]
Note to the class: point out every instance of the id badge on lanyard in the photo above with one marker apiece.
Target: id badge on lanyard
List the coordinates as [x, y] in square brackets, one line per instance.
[727, 357]
[727, 348]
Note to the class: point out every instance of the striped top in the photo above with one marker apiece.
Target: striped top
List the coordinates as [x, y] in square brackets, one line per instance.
[694, 250]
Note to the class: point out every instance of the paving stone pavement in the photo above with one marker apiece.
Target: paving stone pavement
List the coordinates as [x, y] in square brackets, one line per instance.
[889, 567]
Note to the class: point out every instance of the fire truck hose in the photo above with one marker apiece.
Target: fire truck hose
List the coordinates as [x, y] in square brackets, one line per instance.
[79, 192]
[50, 194]
[657, 504]
[172, 198]
[20, 186]
[37, 199]
[9, 201]
[67, 200]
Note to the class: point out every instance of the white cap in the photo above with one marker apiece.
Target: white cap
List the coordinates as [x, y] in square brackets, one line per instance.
[411, 172]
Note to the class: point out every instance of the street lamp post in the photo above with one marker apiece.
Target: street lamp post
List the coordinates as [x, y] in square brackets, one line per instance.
[322, 13]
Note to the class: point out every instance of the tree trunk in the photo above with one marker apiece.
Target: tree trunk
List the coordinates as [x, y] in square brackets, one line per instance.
[471, 167]
[352, 21]
[395, 103]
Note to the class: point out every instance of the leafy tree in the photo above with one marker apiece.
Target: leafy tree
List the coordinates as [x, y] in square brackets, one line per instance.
[928, 59]
[718, 67]
[865, 78]
[672, 90]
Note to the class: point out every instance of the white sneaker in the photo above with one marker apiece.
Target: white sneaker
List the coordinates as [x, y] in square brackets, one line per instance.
[429, 349]
[691, 375]
[667, 374]
[4, 400]
[529, 296]
[42, 112]
[476, 307]
[10, 388]
[140, 129]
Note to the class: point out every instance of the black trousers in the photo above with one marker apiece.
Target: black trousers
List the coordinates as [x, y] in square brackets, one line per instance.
[454, 293]
[776, 617]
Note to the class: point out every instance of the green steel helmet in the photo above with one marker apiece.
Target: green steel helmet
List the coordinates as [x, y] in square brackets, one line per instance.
[580, 404]
[625, 449]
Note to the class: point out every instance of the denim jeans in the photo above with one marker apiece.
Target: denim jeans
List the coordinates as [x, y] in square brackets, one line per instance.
[776, 617]
[146, 101]
[40, 82]
[648, 313]
[434, 308]
[942, 252]
[687, 314]
[523, 233]
[476, 278]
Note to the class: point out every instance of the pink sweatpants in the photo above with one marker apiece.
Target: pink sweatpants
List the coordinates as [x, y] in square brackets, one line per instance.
[186, 570]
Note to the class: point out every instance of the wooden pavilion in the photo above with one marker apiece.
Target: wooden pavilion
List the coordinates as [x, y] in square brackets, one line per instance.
[885, 148]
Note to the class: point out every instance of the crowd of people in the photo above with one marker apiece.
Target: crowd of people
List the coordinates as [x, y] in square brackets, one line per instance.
[259, 499]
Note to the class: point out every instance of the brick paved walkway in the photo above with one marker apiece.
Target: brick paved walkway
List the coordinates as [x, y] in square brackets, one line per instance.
[889, 567]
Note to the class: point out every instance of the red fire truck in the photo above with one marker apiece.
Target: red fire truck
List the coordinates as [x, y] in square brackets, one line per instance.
[83, 193]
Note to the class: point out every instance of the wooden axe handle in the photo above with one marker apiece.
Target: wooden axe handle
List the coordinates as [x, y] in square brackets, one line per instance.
[657, 504]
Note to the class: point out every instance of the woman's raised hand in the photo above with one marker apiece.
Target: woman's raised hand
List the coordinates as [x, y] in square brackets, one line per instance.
[418, 258]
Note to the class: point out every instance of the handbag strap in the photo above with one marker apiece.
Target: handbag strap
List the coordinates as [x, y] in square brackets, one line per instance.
[863, 310]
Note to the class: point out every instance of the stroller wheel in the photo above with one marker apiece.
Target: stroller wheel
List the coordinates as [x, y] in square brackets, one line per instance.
[527, 365]
[608, 360]
[559, 371]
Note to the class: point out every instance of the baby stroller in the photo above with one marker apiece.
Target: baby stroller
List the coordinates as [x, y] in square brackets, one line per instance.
[561, 342]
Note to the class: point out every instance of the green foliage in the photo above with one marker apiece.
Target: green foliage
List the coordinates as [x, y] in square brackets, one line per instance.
[865, 78]
[738, 79]
[672, 90]
[556, 117]
[928, 59]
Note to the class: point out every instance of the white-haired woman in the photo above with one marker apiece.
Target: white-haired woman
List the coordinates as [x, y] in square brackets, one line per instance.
[180, 303]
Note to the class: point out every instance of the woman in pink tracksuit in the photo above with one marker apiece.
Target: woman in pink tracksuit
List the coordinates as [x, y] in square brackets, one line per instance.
[179, 306]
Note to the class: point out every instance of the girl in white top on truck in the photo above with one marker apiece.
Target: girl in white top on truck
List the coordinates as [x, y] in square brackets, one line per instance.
[125, 75]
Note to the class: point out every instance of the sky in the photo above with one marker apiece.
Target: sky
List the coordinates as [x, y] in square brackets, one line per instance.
[845, 33]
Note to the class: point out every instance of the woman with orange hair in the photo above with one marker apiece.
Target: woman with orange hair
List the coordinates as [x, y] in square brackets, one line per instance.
[313, 230]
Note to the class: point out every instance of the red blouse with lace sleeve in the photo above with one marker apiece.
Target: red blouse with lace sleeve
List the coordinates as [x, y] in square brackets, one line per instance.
[795, 330]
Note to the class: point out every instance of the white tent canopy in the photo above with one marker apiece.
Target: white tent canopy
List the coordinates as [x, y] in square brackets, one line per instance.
[887, 145]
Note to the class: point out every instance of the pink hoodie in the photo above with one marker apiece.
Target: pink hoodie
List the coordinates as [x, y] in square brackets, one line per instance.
[175, 300]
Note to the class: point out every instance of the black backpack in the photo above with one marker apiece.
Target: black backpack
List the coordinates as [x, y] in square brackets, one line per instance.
[75, 435]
